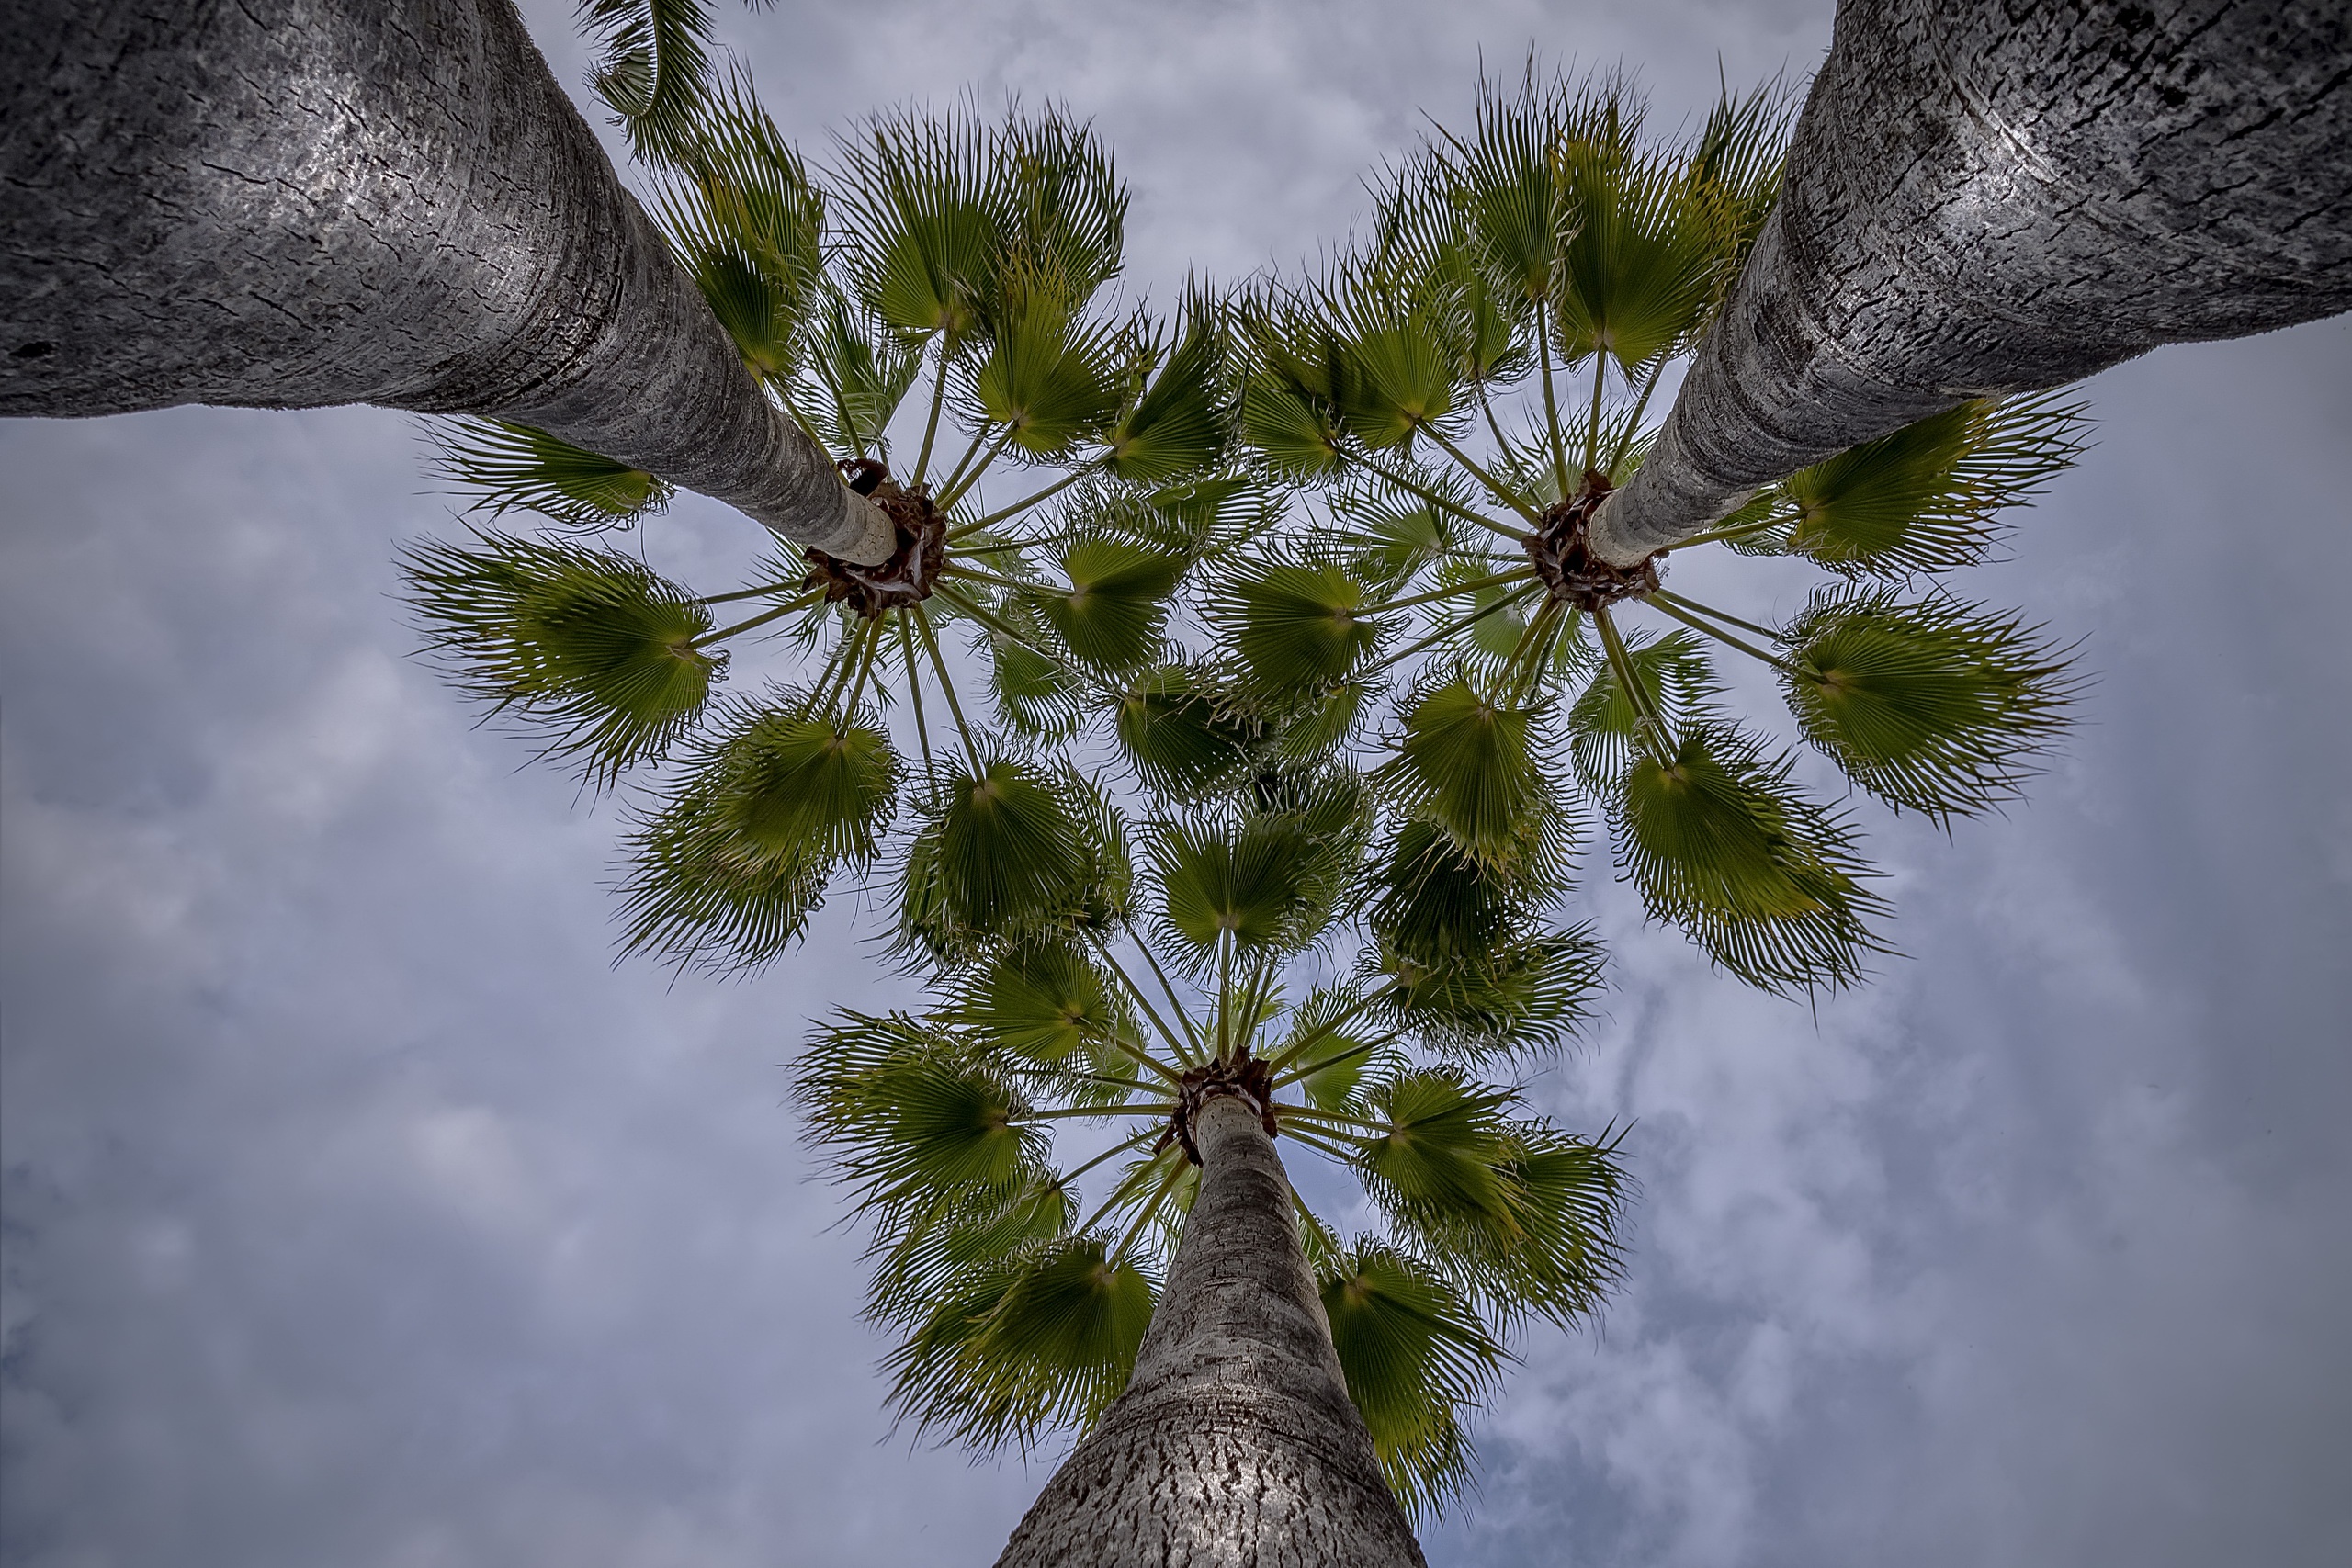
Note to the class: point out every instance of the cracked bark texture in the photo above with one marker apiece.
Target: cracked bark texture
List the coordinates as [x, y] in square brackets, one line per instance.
[295, 203]
[1235, 1445]
[1989, 197]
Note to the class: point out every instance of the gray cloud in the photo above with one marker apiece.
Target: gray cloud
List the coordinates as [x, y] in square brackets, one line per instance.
[359, 1211]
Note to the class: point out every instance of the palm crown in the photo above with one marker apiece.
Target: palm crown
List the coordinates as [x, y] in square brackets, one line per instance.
[1243, 944]
[1426, 385]
[956, 265]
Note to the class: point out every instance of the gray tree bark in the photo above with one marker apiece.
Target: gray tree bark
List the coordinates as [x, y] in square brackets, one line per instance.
[295, 203]
[1988, 196]
[1235, 1445]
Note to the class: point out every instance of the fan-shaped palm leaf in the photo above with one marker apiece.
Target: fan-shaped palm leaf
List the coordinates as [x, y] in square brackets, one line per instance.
[1007, 852]
[509, 468]
[588, 650]
[1474, 767]
[1926, 498]
[1417, 1356]
[1767, 882]
[1294, 626]
[1018, 1344]
[1939, 706]
[725, 872]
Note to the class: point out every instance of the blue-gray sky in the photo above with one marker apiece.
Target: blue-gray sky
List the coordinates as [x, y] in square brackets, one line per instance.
[359, 1210]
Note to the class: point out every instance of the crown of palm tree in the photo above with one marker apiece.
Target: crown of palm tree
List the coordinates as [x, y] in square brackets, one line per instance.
[1428, 386]
[1022, 1154]
[972, 254]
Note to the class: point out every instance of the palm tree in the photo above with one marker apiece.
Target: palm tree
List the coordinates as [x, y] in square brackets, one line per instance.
[1259, 975]
[955, 266]
[1989, 199]
[310, 202]
[1468, 384]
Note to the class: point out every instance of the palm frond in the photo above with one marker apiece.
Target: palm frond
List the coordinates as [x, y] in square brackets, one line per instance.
[1042, 1001]
[1417, 1358]
[654, 72]
[744, 220]
[1476, 768]
[1181, 422]
[1767, 882]
[1181, 734]
[1939, 706]
[904, 1109]
[586, 650]
[724, 874]
[1113, 615]
[514, 468]
[1021, 1345]
[1602, 726]
[1524, 997]
[1929, 498]
[1521, 1214]
[1294, 625]
[1012, 852]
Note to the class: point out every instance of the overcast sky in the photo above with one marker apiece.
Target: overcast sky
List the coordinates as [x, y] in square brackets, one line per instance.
[358, 1211]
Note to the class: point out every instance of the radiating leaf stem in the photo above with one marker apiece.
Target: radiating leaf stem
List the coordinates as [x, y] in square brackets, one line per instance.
[1551, 399]
[1047, 493]
[1667, 604]
[947, 686]
[1645, 717]
[1291, 1052]
[938, 396]
[1455, 507]
[1471, 587]
[1502, 491]
[1150, 1209]
[763, 618]
[1174, 1042]
[1516, 597]
[959, 481]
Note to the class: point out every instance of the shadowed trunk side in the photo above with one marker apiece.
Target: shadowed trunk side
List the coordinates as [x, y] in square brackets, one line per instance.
[1235, 1445]
[296, 203]
[1989, 197]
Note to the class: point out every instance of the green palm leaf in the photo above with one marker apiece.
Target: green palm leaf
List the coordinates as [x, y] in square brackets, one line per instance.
[511, 467]
[1520, 1213]
[1938, 707]
[1182, 735]
[1603, 727]
[1019, 1344]
[1474, 767]
[860, 376]
[1926, 499]
[1525, 997]
[588, 650]
[927, 202]
[923, 1247]
[1294, 626]
[1112, 613]
[655, 69]
[1767, 882]
[726, 872]
[744, 220]
[1043, 1001]
[1417, 1356]
[1259, 882]
[903, 1111]
[1048, 378]
[1180, 424]
[1010, 852]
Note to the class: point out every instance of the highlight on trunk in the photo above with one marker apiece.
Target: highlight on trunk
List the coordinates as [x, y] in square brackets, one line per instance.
[1020, 1152]
[1459, 391]
[937, 308]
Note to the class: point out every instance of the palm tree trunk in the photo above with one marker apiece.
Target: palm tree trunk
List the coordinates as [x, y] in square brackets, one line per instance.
[295, 203]
[1986, 199]
[1235, 1445]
